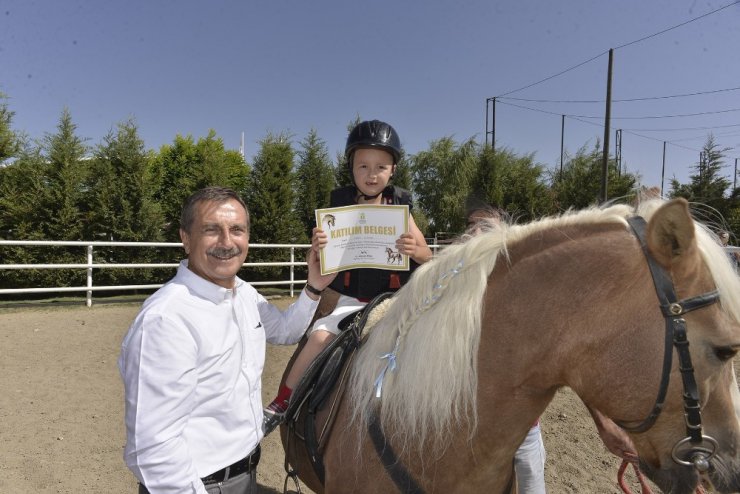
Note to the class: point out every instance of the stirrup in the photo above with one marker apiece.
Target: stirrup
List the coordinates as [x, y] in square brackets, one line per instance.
[271, 420]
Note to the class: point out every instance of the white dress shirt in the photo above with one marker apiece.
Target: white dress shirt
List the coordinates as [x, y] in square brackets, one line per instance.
[191, 365]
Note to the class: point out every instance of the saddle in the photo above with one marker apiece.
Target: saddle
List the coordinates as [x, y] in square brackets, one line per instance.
[314, 403]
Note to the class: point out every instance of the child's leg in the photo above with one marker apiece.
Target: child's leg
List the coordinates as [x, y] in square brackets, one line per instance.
[324, 332]
[317, 341]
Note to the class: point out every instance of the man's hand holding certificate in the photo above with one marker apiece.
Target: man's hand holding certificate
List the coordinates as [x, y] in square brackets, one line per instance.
[363, 236]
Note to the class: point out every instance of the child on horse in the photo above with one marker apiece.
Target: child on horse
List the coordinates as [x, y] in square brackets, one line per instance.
[373, 150]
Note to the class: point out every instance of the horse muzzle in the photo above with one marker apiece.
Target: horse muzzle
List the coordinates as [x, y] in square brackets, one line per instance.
[684, 474]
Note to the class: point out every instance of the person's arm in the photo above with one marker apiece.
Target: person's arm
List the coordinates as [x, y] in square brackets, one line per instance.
[157, 364]
[413, 244]
[319, 239]
[287, 327]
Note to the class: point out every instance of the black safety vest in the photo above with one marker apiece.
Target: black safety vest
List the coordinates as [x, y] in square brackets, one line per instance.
[366, 283]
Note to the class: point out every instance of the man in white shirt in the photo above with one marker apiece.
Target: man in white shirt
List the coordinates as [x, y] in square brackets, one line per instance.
[192, 360]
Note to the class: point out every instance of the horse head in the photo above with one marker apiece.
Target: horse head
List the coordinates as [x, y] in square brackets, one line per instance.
[695, 435]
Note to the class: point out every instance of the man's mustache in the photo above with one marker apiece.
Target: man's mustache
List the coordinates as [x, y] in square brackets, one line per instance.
[223, 253]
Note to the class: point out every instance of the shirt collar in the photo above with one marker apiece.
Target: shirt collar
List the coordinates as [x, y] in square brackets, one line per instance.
[204, 288]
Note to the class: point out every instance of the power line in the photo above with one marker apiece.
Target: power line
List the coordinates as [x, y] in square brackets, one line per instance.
[625, 100]
[703, 136]
[653, 117]
[677, 25]
[688, 128]
[558, 74]
[530, 109]
[648, 117]
[579, 118]
[618, 47]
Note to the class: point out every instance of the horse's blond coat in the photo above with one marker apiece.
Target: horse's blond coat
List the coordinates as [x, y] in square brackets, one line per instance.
[427, 401]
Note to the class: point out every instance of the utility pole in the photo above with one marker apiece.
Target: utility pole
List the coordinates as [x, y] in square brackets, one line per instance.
[618, 151]
[607, 118]
[491, 103]
[562, 144]
[662, 173]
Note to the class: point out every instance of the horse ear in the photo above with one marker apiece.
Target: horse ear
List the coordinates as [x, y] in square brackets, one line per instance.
[670, 232]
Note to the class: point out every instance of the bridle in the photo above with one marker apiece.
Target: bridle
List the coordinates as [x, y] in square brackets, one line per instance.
[696, 449]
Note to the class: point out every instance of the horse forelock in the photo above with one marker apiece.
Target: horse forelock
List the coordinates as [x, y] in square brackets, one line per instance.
[434, 324]
[723, 273]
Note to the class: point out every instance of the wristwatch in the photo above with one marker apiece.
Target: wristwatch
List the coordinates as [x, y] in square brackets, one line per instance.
[313, 290]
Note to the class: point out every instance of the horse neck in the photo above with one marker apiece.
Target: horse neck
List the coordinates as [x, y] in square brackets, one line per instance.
[589, 294]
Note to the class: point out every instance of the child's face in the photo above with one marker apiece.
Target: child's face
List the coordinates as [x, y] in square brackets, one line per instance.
[372, 169]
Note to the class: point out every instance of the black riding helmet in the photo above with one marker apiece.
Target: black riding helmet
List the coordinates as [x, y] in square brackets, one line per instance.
[373, 134]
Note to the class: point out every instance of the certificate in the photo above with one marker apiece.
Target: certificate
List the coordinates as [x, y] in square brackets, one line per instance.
[363, 236]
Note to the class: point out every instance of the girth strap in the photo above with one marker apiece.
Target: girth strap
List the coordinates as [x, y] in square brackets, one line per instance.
[398, 473]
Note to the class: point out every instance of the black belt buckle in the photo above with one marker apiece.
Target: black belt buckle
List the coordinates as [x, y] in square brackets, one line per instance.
[244, 465]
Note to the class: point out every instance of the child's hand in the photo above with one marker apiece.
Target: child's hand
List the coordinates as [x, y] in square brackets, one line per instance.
[406, 244]
[319, 239]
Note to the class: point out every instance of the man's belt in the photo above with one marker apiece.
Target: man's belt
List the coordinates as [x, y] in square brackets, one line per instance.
[247, 464]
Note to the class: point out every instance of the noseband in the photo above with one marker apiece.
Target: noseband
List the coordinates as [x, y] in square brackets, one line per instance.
[696, 449]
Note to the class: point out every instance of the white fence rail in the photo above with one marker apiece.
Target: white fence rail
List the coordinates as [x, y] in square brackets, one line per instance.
[87, 253]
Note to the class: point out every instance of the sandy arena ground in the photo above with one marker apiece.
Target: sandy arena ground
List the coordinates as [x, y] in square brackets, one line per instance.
[61, 410]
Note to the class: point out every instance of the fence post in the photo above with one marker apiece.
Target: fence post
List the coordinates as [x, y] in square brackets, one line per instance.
[89, 274]
[292, 268]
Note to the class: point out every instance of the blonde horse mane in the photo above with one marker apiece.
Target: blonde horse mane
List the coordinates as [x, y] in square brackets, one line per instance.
[418, 368]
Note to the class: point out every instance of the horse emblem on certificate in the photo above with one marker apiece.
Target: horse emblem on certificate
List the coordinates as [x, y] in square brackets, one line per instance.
[363, 236]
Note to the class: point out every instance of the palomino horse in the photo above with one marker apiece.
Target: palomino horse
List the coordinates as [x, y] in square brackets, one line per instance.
[474, 347]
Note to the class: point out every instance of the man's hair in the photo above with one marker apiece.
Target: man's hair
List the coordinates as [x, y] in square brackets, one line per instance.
[208, 194]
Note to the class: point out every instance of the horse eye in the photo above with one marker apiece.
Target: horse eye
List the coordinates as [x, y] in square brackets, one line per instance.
[725, 353]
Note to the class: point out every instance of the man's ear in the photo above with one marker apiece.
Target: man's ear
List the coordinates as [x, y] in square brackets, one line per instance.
[185, 239]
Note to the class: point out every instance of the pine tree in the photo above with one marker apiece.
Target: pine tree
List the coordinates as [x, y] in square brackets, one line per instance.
[707, 186]
[271, 199]
[314, 181]
[185, 166]
[579, 185]
[442, 178]
[64, 206]
[121, 206]
[10, 142]
[342, 173]
[516, 184]
[44, 196]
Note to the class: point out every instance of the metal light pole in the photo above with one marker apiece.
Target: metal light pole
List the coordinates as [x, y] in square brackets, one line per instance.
[662, 173]
[492, 125]
[562, 144]
[607, 118]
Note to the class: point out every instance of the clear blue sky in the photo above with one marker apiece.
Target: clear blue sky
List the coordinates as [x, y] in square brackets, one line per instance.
[427, 67]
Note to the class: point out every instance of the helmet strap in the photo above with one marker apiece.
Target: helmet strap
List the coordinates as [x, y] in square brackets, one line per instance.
[369, 198]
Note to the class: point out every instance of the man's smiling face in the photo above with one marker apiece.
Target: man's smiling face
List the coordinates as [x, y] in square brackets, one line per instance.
[218, 241]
